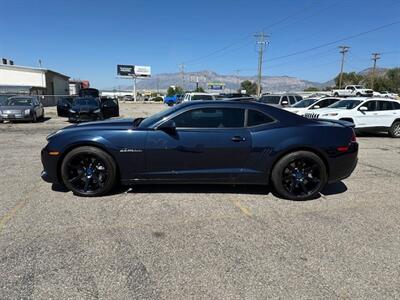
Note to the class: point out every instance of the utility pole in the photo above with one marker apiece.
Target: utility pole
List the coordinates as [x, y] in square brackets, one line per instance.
[182, 70]
[261, 41]
[375, 57]
[343, 51]
[238, 78]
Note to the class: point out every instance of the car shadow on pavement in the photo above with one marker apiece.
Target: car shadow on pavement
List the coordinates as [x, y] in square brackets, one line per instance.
[334, 188]
[331, 189]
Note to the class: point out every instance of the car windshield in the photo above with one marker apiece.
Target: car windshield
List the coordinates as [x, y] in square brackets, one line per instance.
[304, 103]
[18, 101]
[86, 101]
[345, 104]
[270, 99]
[3, 99]
[158, 116]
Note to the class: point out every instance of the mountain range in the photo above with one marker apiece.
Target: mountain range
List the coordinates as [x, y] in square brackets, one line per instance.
[161, 82]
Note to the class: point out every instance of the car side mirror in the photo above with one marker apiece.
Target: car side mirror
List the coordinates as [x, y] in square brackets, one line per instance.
[363, 108]
[168, 126]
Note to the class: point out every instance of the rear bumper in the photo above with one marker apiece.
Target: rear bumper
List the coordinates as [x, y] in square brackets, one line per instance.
[343, 165]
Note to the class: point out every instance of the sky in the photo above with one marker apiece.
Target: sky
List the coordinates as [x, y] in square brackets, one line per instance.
[87, 39]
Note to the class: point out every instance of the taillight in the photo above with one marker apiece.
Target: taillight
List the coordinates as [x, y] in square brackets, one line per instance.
[353, 136]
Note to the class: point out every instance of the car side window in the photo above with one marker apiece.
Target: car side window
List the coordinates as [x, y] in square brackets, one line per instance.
[371, 105]
[385, 105]
[255, 117]
[396, 105]
[211, 118]
[323, 103]
[298, 98]
[292, 100]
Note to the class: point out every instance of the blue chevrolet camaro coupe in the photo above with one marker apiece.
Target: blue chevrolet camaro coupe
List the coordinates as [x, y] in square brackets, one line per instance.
[207, 142]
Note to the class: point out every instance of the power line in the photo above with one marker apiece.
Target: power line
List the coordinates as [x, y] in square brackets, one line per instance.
[249, 35]
[334, 42]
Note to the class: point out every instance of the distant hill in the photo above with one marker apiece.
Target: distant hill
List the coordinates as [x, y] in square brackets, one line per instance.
[270, 83]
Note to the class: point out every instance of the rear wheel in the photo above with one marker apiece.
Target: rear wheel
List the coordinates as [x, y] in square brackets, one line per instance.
[394, 130]
[88, 171]
[300, 175]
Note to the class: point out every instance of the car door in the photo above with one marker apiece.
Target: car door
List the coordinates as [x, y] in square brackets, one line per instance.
[109, 107]
[368, 118]
[208, 145]
[386, 113]
[63, 106]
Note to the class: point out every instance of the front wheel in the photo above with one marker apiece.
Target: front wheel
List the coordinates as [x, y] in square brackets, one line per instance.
[394, 130]
[88, 171]
[300, 175]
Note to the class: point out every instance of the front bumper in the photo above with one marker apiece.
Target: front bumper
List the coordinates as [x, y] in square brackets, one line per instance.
[15, 117]
[50, 166]
[84, 117]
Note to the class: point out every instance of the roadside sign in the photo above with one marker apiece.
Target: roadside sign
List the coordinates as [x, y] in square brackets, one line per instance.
[125, 70]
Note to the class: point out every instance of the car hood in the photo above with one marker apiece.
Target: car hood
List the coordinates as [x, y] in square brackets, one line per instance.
[11, 107]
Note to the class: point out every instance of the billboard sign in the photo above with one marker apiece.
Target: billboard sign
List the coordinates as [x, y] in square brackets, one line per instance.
[142, 71]
[216, 85]
[130, 71]
[125, 70]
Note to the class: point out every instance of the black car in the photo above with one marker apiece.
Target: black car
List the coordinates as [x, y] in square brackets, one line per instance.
[213, 142]
[87, 108]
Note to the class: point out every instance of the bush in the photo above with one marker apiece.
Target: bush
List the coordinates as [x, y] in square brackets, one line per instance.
[157, 99]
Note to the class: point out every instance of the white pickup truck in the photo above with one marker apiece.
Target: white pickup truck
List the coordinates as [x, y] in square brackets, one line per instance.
[353, 90]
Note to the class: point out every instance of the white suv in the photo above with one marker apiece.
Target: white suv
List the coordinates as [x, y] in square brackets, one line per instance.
[198, 96]
[367, 114]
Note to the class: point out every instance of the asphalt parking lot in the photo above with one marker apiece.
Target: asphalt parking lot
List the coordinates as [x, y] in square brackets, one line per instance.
[180, 242]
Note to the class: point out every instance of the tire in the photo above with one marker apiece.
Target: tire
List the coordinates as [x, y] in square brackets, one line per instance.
[394, 130]
[88, 171]
[358, 95]
[336, 94]
[299, 175]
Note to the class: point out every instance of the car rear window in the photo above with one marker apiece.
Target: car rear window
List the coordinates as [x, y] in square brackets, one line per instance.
[270, 99]
[255, 118]
[202, 97]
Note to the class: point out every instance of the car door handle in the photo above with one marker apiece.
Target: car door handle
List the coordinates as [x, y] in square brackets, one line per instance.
[237, 138]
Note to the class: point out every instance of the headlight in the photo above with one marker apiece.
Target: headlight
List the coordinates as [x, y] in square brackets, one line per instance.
[97, 111]
[27, 112]
[72, 111]
[330, 114]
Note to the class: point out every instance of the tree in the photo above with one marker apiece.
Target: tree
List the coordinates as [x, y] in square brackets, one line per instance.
[349, 79]
[199, 90]
[311, 89]
[174, 91]
[250, 87]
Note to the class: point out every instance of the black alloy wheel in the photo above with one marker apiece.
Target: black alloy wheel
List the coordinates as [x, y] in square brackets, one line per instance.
[299, 175]
[88, 171]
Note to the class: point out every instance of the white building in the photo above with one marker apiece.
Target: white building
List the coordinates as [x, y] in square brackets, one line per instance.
[18, 79]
